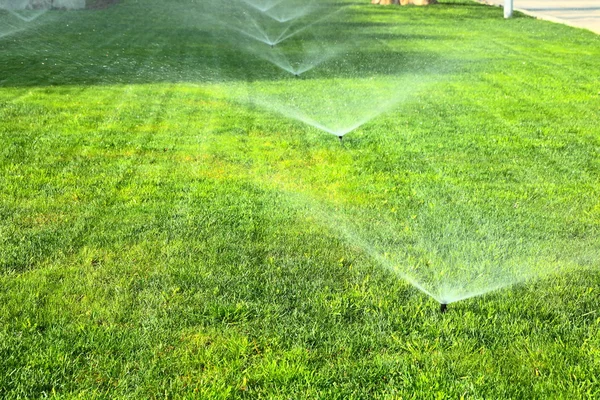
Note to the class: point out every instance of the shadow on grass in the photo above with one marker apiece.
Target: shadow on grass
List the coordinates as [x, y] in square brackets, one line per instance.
[128, 44]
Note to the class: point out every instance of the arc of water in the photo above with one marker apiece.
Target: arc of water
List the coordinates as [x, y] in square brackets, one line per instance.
[295, 113]
[283, 35]
[263, 9]
[300, 117]
[321, 57]
[277, 41]
[33, 17]
[246, 33]
[4, 34]
[261, 30]
[252, 36]
[284, 20]
[341, 225]
[474, 293]
[310, 57]
[282, 61]
[299, 12]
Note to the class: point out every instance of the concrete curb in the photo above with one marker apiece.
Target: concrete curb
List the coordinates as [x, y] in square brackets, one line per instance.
[543, 16]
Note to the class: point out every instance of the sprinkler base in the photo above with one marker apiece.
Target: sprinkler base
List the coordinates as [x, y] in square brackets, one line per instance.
[443, 307]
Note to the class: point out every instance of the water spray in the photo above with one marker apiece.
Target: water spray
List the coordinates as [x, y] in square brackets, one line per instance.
[443, 307]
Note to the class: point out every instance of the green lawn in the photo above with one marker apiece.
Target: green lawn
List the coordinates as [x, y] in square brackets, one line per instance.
[168, 230]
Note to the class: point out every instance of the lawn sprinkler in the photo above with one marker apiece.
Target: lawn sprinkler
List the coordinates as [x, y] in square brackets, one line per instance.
[443, 307]
[341, 137]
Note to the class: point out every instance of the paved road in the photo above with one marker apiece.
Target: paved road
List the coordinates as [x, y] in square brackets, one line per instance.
[579, 13]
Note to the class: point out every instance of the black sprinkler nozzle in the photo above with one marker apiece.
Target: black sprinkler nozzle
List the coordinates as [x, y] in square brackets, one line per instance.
[443, 307]
[297, 75]
[341, 139]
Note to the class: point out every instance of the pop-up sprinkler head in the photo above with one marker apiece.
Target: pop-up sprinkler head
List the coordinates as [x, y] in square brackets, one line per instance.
[443, 307]
[272, 45]
[341, 137]
[297, 75]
